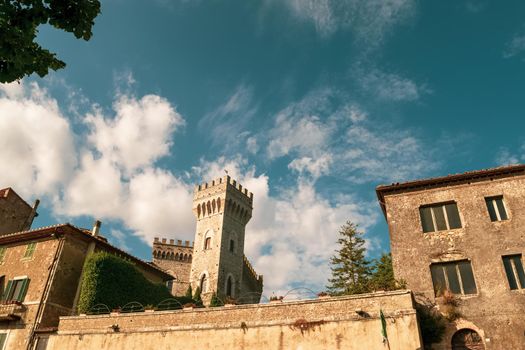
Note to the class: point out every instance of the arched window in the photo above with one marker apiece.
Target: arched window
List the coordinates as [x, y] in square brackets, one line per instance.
[207, 239]
[172, 256]
[232, 245]
[467, 339]
[163, 255]
[189, 258]
[218, 204]
[204, 283]
[229, 286]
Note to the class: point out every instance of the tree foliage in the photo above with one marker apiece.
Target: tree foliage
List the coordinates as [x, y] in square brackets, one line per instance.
[113, 281]
[350, 269]
[197, 296]
[189, 293]
[20, 55]
[215, 301]
[382, 277]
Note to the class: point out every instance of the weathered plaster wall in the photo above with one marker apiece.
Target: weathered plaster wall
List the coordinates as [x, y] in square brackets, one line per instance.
[495, 310]
[334, 324]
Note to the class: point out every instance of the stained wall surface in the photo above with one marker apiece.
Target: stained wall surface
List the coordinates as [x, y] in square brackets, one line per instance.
[495, 311]
[332, 323]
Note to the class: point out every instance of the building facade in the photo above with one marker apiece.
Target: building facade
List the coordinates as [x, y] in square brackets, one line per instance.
[215, 262]
[40, 274]
[459, 241]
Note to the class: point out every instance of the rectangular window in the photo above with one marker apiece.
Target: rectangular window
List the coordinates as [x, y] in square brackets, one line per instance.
[514, 270]
[30, 249]
[496, 208]
[455, 276]
[2, 255]
[16, 290]
[438, 217]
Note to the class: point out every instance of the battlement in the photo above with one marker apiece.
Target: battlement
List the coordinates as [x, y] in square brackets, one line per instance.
[187, 244]
[251, 269]
[230, 183]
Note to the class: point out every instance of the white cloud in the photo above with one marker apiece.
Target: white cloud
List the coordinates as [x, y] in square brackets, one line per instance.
[138, 134]
[506, 157]
[389, 86]
[36, 141]
[515, 46]
[315, 166]
[370, 20]
[227, 124]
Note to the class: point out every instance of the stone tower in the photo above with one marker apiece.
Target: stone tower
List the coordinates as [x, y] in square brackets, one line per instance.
[15, 213]
[222, 208]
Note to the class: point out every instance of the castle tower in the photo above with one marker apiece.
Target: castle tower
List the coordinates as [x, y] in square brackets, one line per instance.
[15, 213]
[222, 208]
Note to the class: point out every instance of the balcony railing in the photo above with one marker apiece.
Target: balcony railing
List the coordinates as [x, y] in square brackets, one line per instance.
[11, 310]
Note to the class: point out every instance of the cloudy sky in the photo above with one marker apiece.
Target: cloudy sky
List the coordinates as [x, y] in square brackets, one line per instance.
[310, 104]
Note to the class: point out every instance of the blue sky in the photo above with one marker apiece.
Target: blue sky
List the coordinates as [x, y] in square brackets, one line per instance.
[309, 104]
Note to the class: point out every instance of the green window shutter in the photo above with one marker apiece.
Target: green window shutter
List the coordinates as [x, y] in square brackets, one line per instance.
[2, 253]
[23, 290]
[7, 290]
[30, 250]
[3, 337]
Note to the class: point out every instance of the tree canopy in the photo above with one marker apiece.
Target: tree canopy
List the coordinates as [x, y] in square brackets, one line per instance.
[350, 269]
[20, 55]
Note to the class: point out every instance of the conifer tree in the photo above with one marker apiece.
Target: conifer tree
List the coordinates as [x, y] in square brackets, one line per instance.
[197, 296]
[350, 270]
[383, 275]
[189, 292]
[215, 301]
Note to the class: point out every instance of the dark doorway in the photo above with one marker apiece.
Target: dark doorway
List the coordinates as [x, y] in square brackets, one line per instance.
[467, 339]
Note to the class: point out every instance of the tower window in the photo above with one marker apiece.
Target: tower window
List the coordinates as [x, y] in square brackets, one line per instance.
[207, 243]
[204, 284]
[232, 245]
[438, 217]
[496, 208]
[229, 286]
[455, 276]
[514, 270]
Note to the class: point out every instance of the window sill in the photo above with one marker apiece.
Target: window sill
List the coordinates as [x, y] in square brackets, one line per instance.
[30, 258]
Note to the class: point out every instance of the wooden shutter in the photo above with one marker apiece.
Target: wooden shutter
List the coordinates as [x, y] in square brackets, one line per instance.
[7, 290]
[23, 290]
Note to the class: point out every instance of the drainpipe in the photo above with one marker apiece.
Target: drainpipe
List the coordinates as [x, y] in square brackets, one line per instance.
[90, 249]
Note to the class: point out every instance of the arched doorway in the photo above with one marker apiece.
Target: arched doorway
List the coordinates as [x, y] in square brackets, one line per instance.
[467, 339]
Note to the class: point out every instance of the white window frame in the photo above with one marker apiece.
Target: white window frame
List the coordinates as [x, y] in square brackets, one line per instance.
[496, 209]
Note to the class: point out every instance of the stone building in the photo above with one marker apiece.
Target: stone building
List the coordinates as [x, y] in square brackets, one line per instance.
[215, 262]
[459, 241]
[40, 273]
[15, 213]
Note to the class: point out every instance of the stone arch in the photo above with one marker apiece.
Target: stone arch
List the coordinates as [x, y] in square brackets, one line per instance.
[229, 286]
[176, 256]
[213, 205]
[203, 282]
[218, 205]
[467, 339]
[163, 255]
[198, 210]
[189, 258]
[208, 240]
[172, 256]
[208, 208]
[185, 257]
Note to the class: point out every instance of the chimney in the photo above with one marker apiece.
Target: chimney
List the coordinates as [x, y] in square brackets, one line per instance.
[96, 228]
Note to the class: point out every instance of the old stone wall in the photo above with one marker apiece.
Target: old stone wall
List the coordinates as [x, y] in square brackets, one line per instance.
[349, 323]
[495, 310]
[251, 286]
[175, 259]
[15, 213]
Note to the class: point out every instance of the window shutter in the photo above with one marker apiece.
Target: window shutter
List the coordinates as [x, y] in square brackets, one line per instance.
[23, 290]
[7, 290]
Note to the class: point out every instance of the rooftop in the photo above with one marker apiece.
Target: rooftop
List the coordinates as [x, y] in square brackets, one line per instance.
[449, 180]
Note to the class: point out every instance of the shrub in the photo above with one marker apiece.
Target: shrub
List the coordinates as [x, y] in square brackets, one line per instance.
[113, 281]
[431, 323]
[215, 301]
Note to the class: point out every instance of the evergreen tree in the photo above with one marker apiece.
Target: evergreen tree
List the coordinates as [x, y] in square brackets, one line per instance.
[350, 270]
[197, 296]
[215, 301]
[189, 292]
[383, 275]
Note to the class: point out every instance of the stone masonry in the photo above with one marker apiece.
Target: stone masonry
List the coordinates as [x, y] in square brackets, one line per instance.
[215, 262]
[487, 304]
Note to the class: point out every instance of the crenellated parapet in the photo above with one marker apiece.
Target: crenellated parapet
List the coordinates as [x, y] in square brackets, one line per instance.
[171, 250]
[250, 268]
[223, 195]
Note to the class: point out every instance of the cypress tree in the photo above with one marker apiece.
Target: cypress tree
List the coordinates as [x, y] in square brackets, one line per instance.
[350, 270]
[197, 296]
[189, 292]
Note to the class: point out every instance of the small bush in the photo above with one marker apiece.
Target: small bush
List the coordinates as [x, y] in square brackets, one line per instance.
[431, 323]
